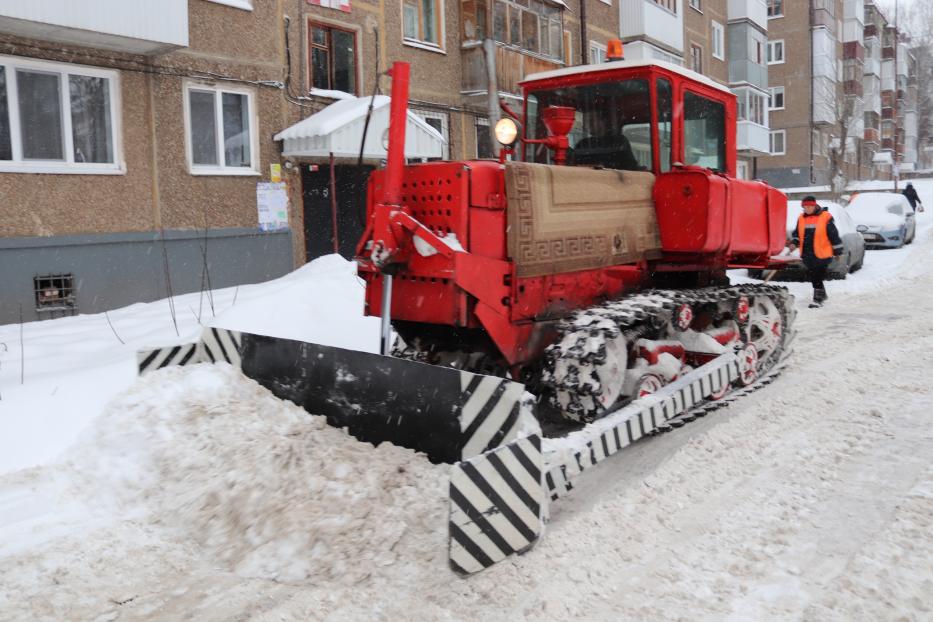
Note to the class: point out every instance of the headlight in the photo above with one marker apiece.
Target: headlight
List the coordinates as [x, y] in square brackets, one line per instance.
[506, 131]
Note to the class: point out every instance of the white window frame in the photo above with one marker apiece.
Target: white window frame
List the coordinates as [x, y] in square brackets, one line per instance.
[445, 126]
[783, 135]
[440, 46]
[781, 14]
[598, 47]
[68, 166]
[246, 5]
[772, 92]
[696, 5]
[770, 56]
[222, 169]
[717, 28]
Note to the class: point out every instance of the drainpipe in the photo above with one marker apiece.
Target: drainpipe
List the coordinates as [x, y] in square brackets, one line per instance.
[812, 91]
[584, 39]
[492, 88]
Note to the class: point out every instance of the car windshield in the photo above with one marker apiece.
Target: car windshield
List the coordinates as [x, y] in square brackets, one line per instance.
[612, 125]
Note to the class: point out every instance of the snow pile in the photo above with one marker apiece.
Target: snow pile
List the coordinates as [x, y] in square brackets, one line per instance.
[321, 302]
[268, 489]
[73, 366]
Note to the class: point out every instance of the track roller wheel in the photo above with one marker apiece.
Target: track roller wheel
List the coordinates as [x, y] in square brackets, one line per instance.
[683, 317]
[648, 384]
[748, 364]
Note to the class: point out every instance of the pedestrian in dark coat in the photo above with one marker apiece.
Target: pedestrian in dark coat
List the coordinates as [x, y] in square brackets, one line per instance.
[913, 198]
[818, 239]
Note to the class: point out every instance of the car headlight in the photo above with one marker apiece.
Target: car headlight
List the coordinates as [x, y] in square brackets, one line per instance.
[506, 131]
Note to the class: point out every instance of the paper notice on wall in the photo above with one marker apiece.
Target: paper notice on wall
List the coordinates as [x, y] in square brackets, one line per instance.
[272, 203]
[341, 5]
[275, 173]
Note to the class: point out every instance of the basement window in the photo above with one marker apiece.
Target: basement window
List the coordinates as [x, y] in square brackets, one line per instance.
[55, 294]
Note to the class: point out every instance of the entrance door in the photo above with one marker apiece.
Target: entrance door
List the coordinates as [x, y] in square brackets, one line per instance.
[350, 182]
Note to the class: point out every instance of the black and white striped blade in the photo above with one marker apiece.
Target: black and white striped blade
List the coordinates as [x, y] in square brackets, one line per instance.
[445, 413]
[498, 505]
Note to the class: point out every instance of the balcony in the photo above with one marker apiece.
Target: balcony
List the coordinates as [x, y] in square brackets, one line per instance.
[648, 21]
[752, 139]
[755, 11]
[853, 50]
[134, 26]
[745, 71]
[872, 67]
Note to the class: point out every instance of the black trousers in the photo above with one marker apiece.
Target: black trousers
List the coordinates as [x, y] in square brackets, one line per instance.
[817, 269]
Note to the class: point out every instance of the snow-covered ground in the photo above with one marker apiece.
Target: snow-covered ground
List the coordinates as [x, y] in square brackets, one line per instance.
[192, 493]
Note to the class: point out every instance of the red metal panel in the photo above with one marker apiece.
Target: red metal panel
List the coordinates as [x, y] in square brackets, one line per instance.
[691, 204]
[750, 226]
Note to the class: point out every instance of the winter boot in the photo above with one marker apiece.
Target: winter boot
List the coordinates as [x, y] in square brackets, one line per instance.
[819, 297]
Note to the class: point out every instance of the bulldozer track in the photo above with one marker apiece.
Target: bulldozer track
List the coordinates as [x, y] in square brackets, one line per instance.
[572, 364]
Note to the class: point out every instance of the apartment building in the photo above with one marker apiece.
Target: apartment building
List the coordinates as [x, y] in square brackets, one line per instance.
[804, 59]
[132, 138]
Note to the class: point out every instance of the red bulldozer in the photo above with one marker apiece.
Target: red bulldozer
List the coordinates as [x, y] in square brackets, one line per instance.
[545, 310]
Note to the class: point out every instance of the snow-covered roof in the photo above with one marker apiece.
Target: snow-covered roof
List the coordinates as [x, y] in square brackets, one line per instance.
[625, 64]
[338, 129]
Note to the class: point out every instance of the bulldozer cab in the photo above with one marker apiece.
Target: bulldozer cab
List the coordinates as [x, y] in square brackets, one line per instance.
[634, 115]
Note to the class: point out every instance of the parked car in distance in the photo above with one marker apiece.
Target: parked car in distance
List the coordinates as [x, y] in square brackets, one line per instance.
[853, 255]
[885, 219]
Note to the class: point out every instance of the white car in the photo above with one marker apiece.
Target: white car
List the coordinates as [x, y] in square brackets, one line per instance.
[885, 219]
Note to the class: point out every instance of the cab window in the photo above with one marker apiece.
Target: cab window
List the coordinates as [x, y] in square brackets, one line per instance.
[665, 127]
[704, 132]
[612, 127]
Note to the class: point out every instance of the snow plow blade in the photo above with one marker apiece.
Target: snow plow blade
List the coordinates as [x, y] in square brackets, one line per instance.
[483, 426]
[504, 473]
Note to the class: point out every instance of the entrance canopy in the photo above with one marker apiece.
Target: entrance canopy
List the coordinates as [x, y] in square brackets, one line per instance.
[338, 129]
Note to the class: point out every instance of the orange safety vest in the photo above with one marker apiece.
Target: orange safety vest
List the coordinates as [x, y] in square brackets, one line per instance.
[822, 247]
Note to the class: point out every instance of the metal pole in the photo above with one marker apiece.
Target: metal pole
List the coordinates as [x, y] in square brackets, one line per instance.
[333, 203]
[386, 314]
[894, 167]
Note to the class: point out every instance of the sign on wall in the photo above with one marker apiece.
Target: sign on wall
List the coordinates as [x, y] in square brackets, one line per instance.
[272, 204]
[340, 5]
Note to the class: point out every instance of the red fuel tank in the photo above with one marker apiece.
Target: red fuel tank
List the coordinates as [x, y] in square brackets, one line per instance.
[701, 211]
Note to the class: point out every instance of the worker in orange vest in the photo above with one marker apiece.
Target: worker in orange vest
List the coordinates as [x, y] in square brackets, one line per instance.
[818, 239]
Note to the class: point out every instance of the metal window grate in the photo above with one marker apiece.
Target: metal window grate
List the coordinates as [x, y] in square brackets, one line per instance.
[55, 294]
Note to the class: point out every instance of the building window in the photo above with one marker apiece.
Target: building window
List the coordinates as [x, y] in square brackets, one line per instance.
[56, 118]
[718, 35]
[751, 106]
[246, 5]
[696, 58]
[54, 294]
[776, 52]
[530, 25]
[775, 8]
[670, 5]
[696, 4]
[421, 21]
[340, 5]
[220, 130]
[440, 122]
[778, 142]
[776, 100]
[597, 53]
[484, 147]
[333, 58]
